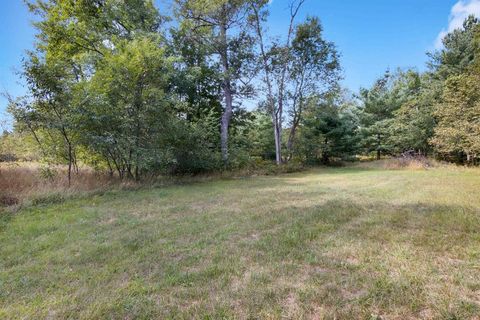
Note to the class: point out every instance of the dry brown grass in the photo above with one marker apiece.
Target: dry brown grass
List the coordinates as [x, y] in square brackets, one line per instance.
[21, 183]
[26, 183]
[408, 163]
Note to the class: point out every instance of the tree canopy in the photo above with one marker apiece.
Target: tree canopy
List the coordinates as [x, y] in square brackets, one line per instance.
[112, 85]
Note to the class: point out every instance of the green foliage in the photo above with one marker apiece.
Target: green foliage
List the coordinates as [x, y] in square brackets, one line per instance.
[314, 61]
[313, 69]
[458, 108]
[111, 87]
[261, 137]
[222, 28]
[17, 146]
[47, 173]
[459, 53]
[127, 107]
[378, 106]
[413, 122]
[194, 146]
[458, 130]
[197, 79]
[329, 130]
[396, 115]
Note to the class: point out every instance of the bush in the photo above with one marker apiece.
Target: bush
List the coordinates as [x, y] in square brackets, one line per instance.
[8, 157]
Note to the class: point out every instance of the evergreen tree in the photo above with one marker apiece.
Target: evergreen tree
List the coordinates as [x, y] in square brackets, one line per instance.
[329, 130]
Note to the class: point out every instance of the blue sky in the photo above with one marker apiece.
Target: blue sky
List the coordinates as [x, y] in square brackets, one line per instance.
[372, 35]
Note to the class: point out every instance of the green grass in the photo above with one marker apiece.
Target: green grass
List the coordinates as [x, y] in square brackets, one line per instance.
[328, 243]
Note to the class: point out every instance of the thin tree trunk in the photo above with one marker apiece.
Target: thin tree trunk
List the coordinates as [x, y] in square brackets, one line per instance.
[70, 155]
[277, 127]
[116, 164]
[276, 113]
[270, 100]
[75, 162]
[294, 8]
[138, 102]
[110, 168]
[291, 141]
[70, 161]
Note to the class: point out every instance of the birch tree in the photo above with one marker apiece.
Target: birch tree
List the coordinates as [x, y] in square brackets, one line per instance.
[274, 60]
[301, 66]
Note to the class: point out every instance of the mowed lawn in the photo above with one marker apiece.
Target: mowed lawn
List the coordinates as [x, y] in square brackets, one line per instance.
[328, 243]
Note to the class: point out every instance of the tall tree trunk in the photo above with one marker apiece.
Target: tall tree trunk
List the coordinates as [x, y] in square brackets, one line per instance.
[277, 131]
[227, 92]
[225, 122]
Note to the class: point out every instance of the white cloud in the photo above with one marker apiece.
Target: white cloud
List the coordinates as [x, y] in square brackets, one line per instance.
[460, 11]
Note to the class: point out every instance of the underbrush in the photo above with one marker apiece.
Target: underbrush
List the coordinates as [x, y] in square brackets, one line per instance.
[28, 183]
[404, 163]
[264, 167]
[32, 183]
[412, 163]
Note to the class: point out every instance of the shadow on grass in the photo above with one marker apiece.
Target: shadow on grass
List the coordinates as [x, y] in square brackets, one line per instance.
[328, 255]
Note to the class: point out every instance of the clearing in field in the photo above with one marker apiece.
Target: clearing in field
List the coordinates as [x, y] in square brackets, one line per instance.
[328, 243]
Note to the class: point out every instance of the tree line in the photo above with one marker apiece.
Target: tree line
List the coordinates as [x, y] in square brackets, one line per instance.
[123, 87]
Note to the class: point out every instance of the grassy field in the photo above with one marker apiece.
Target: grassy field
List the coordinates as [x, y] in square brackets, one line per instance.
[327, 243]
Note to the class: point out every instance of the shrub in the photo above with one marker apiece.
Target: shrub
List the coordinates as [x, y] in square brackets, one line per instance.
[8, 157]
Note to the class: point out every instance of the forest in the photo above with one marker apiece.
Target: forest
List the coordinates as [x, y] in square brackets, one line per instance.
[120, 87]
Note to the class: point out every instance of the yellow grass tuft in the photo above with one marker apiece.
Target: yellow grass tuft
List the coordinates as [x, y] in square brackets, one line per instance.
[32, 182]
[404, 163]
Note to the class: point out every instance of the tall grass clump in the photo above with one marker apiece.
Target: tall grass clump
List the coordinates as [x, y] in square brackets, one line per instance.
[33, 183]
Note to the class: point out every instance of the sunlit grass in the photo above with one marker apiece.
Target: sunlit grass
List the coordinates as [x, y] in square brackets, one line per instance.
[328, 243]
